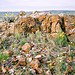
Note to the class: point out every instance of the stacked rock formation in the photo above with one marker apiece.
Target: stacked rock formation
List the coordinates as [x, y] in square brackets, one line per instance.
[48, 22]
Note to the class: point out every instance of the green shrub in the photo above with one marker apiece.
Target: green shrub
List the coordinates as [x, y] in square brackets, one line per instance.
[3, 56]
[17, 36]
[22, 41]
[61, 38]
[9, 17]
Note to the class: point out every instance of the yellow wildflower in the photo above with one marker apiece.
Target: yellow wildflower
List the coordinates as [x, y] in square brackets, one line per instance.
[60, 60]
[56, 33]
[6, 14]
[61, 35]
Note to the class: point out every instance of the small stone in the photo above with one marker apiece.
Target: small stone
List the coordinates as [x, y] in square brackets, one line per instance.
[29, 59]
[32, 71]
[40, 70]
[8, 52]
[11, 70]
[64, 53]
[3, 69]
[22, 61]
[38, 56]
[34, 64]
[28, 55]
[73, 58]
[18, 57]
[69, 59]
[26, 47]
[47, 72]
[24, 68]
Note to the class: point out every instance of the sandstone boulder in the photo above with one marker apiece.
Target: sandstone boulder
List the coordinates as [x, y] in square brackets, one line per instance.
[69, 25]
[35, 12]
[26, 24]
[52, 23]
[22, 13]
[46, 24]
[42, 17]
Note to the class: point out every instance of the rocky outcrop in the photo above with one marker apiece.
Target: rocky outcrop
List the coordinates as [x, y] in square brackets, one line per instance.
[48, 22]
[6, 29]
[52, 23]
[69, 25]
[27, 24]
[42, 17]
[22, 13]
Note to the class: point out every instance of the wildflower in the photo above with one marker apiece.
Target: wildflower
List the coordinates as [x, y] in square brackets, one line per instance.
[61, 35]
[56, 33]
[60, 60]
[58, 55]
[69, 45]
[71, 42]
[6, 14]
[66, 63]
[23, 67]
[12, 15]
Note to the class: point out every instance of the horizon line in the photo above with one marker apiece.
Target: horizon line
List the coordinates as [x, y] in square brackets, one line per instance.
[36, 10]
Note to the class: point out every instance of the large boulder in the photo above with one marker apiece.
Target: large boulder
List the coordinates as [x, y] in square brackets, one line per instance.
[42, 17]
[35, 12]
[52, 23]
[22, 13]
[6, 29]
[69, 25]
[46, 24]
[27, 24]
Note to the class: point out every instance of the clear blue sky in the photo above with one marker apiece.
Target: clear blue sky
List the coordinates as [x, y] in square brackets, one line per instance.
[31, 5]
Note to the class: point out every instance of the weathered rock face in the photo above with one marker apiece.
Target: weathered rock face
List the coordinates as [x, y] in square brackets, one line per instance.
[6, 29]
[27, 24]
[34, 12]
[22, 13]
[42, 17]
[69, 25]
[72, 16]
[51, 23]
[48, 22]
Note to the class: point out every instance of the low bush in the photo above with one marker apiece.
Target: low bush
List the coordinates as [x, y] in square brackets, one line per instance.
[61, 38]
[9, 17]
[3, 56]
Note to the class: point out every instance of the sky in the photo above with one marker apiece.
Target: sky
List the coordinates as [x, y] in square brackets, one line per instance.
[40, 5]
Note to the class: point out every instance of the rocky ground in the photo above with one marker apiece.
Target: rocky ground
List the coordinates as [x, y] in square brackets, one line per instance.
[38, 44]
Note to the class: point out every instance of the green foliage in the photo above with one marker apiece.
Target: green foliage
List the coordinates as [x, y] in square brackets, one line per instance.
[50, 40]
[73, 67]
[61, 38]
[70, 53]
[17, 34]
[61, 66]
[8, 17]
[3, 56]
[73, 45]
[22, 42]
